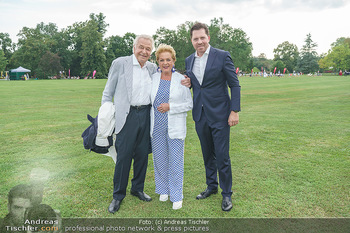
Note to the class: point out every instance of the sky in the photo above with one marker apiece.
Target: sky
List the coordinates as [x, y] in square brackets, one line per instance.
[267, 23]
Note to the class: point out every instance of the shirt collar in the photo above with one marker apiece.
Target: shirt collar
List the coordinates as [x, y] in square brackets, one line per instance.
[205, 53]
[135, 62]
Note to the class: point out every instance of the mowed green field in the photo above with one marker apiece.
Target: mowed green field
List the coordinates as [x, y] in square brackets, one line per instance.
[289, 154]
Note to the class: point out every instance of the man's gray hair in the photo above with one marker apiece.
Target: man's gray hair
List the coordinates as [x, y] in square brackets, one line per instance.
[147, 37]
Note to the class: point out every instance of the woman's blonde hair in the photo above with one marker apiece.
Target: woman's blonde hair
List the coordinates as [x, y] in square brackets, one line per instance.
[166, 48]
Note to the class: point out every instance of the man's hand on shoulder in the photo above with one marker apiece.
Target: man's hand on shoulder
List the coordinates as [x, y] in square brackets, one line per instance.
[186, 82]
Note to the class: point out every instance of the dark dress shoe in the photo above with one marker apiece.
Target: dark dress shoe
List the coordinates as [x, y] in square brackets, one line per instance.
[226, 204]
[206, 193]
[114, 206]
[141, 195]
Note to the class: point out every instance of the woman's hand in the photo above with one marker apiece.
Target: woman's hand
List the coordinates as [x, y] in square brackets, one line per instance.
[164, 107]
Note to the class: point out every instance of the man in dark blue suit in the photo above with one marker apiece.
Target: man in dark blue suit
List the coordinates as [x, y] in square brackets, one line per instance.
[210, 72]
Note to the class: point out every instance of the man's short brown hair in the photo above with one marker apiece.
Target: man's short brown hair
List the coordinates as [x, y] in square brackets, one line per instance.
[24, 191]
[198, 26]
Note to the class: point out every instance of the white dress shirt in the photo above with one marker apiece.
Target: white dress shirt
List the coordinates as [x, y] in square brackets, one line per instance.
[141, 86]
[199, 65]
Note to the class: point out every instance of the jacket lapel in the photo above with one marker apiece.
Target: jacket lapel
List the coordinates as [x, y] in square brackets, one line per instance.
[175, 79]
[155, 86]
[150, 68]
[191, 74]
[128, 76]
[210, 62]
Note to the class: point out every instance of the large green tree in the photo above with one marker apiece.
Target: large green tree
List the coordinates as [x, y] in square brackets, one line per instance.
[3, 60]
[92, 51]
[326, 63]
[64, 49]
[50, 65]
[117, 46]
[340, 41]
[236, 41]
[179, 39]
[262, 61]
[222, 36]
[101, 23]
[75, 33]
[308, 60]
[6, 46]
[87, 47]
[288, 53]
[33, 43]
[114, 48]
[338, 57]
[279, 64]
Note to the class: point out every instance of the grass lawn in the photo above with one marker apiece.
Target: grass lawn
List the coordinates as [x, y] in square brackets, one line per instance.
[289, 154]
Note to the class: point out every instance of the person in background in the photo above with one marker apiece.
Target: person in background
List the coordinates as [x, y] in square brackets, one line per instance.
[170, 103]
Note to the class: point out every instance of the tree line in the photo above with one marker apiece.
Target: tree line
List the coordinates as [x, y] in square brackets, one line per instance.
[82, 48]
[287, 55]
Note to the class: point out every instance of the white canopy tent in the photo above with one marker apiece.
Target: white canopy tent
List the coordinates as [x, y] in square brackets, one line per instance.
[20, 70]
[19, 73]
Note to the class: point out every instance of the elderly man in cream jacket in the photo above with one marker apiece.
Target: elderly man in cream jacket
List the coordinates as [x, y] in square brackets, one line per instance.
[170, 103]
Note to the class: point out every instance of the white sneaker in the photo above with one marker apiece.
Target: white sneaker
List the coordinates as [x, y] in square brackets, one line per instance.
[163, 197]
[177, 205]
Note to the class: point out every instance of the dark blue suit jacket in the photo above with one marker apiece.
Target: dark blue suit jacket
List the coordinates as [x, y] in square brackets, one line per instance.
[213, 94]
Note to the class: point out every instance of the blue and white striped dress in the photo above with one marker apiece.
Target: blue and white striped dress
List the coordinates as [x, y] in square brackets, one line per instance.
[168, 154]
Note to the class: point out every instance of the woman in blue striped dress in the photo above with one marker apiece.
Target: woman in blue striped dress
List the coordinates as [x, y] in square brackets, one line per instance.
[170, 103]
